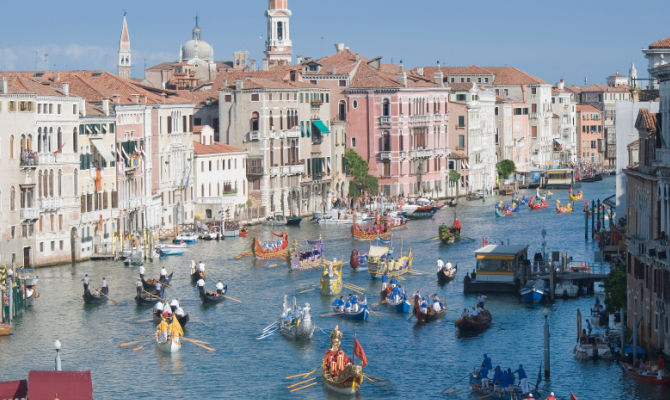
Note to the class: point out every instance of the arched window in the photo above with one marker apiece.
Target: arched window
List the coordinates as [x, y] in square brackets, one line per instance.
[29, 142]
[45, 183]
[60, 139]
[254, 121]
[39, 184]
[75, 138]
[22, 143]
[51, 183]
[51, 131]
[60, 183]
[11, 146]
[39, 140]
[12, 199]
[386, 108]
[272, 122]
[342, 110]
[202, 190]
[75, 188]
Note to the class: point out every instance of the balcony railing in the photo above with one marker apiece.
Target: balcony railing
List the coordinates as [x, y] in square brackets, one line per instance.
[50, 203]
[385, 120]
[254, 135]
[425, 153]
[419, 118]
[134, 204]
[292, 133]
[30, 213]
[384, 155]
[254, 169]
[274, 171]
[297, 169]
[437, 117]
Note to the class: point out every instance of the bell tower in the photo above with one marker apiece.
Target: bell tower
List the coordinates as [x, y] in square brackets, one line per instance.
[278, 44]
[124, 51]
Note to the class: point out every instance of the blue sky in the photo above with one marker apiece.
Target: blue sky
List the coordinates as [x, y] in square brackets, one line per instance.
[551, 40]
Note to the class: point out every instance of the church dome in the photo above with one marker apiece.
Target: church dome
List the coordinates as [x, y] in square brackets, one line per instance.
[199, 49]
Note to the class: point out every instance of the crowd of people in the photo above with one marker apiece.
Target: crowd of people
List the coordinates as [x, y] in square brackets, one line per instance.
[476, 310]
[502, 380]
[430, 304]
[167, 310]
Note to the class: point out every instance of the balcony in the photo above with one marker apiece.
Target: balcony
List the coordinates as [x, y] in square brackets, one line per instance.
[274, 171]
[254, 135]
[134, 204]
[255, 167]
[419, 119]
[316, 103]
[50, 203]
[292, 133]
[424, 153]
[297, 169]
[441, 152]
[385, 155]
[30, 213]
[385, 120]
[437, 117]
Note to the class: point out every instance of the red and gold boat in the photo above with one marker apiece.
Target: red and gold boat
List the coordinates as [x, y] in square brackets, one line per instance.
[381, 229]
[338, 371]
[271, 248]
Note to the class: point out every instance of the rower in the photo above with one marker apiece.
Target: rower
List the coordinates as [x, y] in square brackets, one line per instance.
[424, 307]
[523, 379]
[201, 283]
[219, 287]
[158, 308]
[201, 268]
[484, 375]
[394, 282]
[437, 304]
[162, 331]
[440, 264]
[163, 274]
[551, 396]
[158, 286]
[354, 303]
[339, 303]
[487, 362]
[174, 304]
[141, 271]
[449, 266]
[192, 267]
[385, 279]
[85, 280]
[179, 312]
[347, 305]
[138, 285]
[395, 294]
[104, 289]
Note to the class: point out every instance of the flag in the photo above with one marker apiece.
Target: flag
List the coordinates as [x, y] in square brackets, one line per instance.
[59, 149]
[358, 352]
[572, 396]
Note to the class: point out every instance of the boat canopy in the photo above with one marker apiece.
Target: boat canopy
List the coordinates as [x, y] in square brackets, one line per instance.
[377, 251]
[496, 251]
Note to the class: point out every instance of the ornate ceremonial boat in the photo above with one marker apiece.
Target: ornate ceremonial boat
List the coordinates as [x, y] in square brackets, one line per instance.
[338, 372]
[170, 343]
[378, 230]
[296, 322]
[307, 258]
[543, 203]
[563, 209]
[449, 234]
[576, 197]
[183, 319]
[331, 277]
[271, 249]
[393, 268]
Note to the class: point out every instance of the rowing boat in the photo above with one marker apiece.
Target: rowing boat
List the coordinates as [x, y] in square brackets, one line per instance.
[338, 372]
[430, 316]
[271, 249]
[295, 322]
[307, 258]
[94, 298]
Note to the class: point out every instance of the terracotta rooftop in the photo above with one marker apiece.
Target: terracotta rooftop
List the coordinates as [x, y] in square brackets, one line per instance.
[587, 108]
[216, 148]
[602, 88]
[469, 70]
[461, 86]
[26, 83]
[646, 120]
[513, 76]
[661, 44]
[617, 75]
[339, 63]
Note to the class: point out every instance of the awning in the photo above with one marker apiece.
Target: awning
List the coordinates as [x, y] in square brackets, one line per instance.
[322, 127]
[104, 152]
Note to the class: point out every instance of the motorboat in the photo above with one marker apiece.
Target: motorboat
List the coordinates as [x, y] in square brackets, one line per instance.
[186, 237]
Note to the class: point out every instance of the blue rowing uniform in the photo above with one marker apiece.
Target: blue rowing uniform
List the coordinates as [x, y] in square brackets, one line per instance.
[338, 303]
[487, 363]
[385, 278]
[522, 373]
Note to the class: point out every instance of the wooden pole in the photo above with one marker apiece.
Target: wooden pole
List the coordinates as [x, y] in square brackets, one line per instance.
[593, 216]
[586, 226]
[552, 280]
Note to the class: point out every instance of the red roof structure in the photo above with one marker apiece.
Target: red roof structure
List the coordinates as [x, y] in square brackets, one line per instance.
[64, 385]
[13, 389]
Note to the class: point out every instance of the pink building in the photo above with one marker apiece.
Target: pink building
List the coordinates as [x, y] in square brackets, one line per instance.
[590, 135]
[398, 122]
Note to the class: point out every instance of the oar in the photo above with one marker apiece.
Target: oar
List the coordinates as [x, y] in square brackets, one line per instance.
[272, 325]
[152, 295]
[273, 265]
[304, 375]
[232, 298]
[373, 312]
[328, 314]
[198, 320]
[457, 390]
[248, 253]
[146, 320]
[303, 387]
[455, 383]
[485, 396]
[194, 340]
[201, 345]
[138, 348]
[133, 342]
[352, 285]
[305, 291]
[301, 383]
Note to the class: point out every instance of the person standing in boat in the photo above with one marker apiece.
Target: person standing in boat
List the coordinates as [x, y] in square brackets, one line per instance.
[163, 275]
[440, 264]
[487, 362]
[449, 266]
[193, 267]
[201, 283]
[162, 331]
[158, 287]
[201, 268]
[174, 305]
[484, 375]
[85, 280]
[219, 287]
[138, 287]
[354, 303]
[141, 271]
[339, 303]
[385, 280]
[437, 303]
[523, 379]
[104, 289]
[158, 308]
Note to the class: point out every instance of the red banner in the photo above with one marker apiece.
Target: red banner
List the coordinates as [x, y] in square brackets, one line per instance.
[358, 352]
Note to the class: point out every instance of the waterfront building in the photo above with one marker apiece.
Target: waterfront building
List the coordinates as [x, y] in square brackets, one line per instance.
[590, 138]
[564, 125]
[512, 133]
[648, 222]
[284, 125]
[657, 54]
[219, 175]
[39, 157]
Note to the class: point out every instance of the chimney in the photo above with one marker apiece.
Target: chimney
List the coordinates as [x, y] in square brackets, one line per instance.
[402, 78]
[105, 106]
[419, 71]
[438, 77]
[143, 99]
[224, 84]
[298, 59]
[334, 71]
[239, 84]
[561, 84]
[57, 76]
[339, 47]
[116, 98]
[3, 85]
[66, 89]
[136, 98]
[253, 64]
[266, 64]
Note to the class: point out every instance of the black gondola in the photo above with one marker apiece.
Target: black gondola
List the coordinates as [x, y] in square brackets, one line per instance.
[211, 297]
[94, 298]
[183, 320]
[196, 276]
[445, 275]
[148, 298]
[150, 285]
[430, 316]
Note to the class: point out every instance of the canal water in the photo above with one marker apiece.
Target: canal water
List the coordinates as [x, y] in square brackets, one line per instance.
[419, 361]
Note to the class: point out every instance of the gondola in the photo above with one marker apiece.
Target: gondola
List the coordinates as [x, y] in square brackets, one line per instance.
[423, 212]
[537, 206]
[430, 316]
[211, 297]
[446, 274]
[196, 276]
[150, 284]
[479, 323]
[95, 297]
[293, 221]
[360, 315]
[271, 249]
[147, 298]
[183, 319]
[449, 234]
